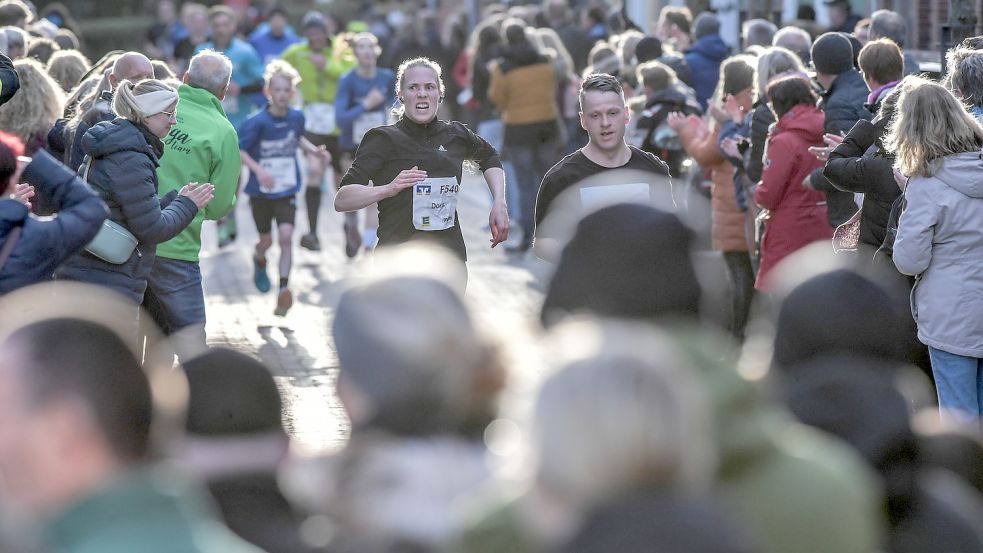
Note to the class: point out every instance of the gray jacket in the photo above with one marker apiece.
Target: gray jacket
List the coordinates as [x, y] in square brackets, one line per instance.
[940, 240]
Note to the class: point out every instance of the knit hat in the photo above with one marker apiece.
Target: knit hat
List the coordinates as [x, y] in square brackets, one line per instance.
[313, 19]
[837, 312]
[626, 260]
[231, 393]
[408, 343]
[648, 49]
[832, 54]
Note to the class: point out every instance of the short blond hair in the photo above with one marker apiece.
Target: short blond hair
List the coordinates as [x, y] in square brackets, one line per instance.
[280, 68]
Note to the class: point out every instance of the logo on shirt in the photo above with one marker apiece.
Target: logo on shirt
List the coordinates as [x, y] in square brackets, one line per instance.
[423, 190]
[425, 221]
[441, 148]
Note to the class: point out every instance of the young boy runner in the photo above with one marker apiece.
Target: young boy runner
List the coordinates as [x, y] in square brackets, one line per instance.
[268, 144]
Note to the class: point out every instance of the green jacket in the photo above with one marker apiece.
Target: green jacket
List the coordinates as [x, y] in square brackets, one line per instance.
[795, 489]
[150, 510]
[202, 147]
[319, 85]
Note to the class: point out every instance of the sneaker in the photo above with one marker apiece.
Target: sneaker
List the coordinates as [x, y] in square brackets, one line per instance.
[260, 278]
[309, 241]
[283, 302]
[353, 239]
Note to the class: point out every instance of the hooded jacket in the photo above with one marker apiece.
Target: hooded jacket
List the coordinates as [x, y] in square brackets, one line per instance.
[798, 214]
[703, 59]
[124, 159]
[940, 240]
[46, 243]
[202, 147]
[523, 89]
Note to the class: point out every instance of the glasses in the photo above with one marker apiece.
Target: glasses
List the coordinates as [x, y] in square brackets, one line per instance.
[169, 114]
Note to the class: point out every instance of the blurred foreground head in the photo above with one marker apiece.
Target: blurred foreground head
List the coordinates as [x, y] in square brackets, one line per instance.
[234, 420]
[837, 312]
[411, 360]
[624, 411]
[626, 260]
[75, 400]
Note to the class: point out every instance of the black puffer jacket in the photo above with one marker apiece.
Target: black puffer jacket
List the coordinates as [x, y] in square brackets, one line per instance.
[860, 164]
[125, 157]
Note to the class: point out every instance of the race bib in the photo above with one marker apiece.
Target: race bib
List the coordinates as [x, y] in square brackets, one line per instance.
[284, 173]
[319, 118]
[593, 198]
[366, 121]
[435, 203]
[230, 104]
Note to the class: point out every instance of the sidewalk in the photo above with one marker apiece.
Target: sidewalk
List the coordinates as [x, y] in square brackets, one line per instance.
[503, 289]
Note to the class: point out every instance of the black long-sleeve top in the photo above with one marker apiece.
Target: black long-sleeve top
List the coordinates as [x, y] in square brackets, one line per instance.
[440, 148]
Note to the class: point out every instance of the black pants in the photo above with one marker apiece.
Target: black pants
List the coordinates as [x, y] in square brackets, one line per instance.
[742, 281]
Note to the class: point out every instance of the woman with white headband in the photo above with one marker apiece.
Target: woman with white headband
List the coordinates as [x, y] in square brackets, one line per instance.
[121, 160]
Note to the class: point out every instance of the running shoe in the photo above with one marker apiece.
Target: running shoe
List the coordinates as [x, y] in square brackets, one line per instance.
[309, 241]
[353, 239]
[283, 302]
[260, 278]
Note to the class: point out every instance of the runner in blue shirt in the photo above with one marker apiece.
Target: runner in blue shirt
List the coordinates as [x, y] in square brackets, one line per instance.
[273, 36]
[268, 143]
[365, 96]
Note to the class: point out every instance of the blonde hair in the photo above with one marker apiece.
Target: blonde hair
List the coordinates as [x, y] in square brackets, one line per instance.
[398, 112]
[124, 101]
[280, 68]
[67, 67]
[929, 124]
[33, 110]
[648, 421]
[773, 62]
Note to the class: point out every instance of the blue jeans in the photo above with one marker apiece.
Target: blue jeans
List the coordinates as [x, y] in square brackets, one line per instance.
[176, 301]
[959, 380]
[531, 164]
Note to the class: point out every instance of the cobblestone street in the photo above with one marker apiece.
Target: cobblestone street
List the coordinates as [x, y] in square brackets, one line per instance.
[504, 289]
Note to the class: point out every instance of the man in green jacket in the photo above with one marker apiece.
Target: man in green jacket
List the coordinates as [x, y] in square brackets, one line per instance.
[76, 452]
[202, 147]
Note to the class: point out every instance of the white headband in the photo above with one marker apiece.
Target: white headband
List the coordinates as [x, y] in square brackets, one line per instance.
[155, 102]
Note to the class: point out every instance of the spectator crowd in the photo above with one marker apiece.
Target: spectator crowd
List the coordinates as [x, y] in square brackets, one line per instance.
[830, 399]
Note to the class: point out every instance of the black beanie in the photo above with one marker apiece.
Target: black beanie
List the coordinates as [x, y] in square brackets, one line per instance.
[626, 260]
[231, 393]
[837, 312]
[832, 54]
[648, 49]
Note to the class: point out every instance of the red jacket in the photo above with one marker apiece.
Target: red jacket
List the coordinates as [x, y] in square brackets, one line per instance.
[797, 214]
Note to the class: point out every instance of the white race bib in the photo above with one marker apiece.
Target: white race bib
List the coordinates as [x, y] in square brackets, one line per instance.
[230, 104]
[366, 121]
[319, 118]
[593, 198]
[284, 173]
[435, 203]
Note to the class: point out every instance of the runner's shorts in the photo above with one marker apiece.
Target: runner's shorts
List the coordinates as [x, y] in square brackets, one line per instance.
[265, 210]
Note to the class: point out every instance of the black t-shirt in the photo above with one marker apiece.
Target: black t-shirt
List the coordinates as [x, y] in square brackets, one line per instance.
[440, 148]
[576, 170]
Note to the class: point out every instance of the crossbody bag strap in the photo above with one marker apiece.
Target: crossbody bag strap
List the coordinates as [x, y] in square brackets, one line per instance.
[8, 245]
